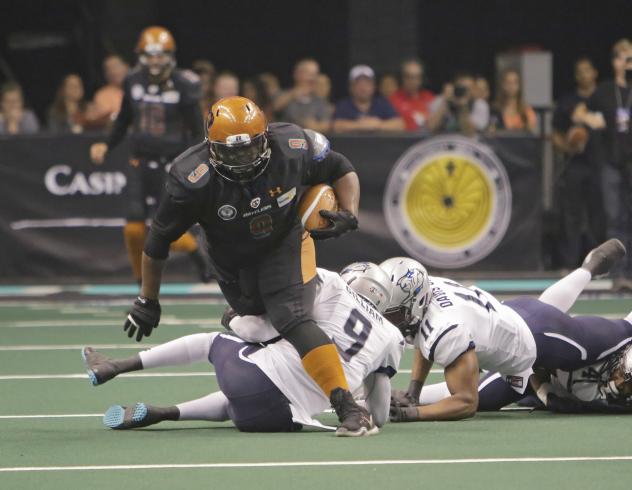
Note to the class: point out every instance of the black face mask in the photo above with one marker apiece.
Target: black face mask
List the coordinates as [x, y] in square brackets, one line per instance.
[628, 75]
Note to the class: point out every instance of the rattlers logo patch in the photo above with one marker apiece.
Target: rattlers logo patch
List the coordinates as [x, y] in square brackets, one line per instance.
[297, 143]
[198, 173]
[448, 201]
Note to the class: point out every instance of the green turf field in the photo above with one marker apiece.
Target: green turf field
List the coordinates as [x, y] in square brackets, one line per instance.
[51, 434]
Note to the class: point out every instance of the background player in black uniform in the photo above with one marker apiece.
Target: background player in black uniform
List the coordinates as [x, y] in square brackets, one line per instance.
[161, 104]
[242, 186]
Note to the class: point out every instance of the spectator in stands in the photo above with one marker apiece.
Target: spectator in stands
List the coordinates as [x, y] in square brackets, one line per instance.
[300, 104]
[323, 90]
[388, 85]
[457, 110]
[14, 118]
[412, 101]
[271, 84]
[206, 71]
[481, 88]
[608, 114]
[67, 114]
[226, 85]
[363, 110]
[107, 100]
[510, 111]
[580, 200]
[255, 89]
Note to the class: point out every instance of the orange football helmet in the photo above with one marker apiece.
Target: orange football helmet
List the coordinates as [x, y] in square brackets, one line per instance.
[156, 50]
[236, 134]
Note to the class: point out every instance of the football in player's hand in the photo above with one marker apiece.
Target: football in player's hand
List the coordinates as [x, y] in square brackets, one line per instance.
[318, 198]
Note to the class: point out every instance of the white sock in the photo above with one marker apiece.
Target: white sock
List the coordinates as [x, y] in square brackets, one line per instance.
[213, 407]
[185, 350]
[565, 292]
[434, 393]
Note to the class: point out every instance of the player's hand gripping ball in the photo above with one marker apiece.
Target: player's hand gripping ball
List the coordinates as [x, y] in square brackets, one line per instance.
[142, 318]
[321, 216]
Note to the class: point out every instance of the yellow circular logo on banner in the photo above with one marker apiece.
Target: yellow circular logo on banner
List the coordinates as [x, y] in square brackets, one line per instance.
[448, 201]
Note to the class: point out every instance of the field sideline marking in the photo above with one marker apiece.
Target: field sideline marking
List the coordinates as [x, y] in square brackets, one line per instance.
[184, 374]
[103, 323]
[287, 464]
[53, 416]
[51, 347]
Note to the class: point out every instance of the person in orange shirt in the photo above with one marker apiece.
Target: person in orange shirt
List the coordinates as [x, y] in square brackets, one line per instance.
[411, 100]
[107, 100]
[510, 111]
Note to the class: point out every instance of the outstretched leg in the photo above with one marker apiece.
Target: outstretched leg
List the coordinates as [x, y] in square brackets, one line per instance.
[599, 261]
[213, 407]
[182, 351]
[569, 343]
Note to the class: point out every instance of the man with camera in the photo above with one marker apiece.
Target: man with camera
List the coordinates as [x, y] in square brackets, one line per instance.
[457, 110]
[612, 103]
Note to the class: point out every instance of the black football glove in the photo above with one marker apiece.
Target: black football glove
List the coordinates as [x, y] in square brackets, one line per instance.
[402, 398]
[560, 404]
[142, 318]
[341, 222]
[404, 414]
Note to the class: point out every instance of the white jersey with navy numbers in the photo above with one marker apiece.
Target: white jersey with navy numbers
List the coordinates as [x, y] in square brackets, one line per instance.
[583, 384]
[460, 318]
[366, 341]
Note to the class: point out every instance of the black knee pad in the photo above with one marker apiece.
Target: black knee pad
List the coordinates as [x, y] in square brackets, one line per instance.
[305, 335]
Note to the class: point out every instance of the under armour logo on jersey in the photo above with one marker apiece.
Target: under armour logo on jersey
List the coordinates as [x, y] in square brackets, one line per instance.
[275, 191]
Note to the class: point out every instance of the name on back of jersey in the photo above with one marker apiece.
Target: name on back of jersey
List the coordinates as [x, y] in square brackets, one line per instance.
[441, 297]
[367, 307]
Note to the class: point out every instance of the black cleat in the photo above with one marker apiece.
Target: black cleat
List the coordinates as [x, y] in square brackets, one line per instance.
[100, 368]
[600, 260]
[355, 421]
[137, 416]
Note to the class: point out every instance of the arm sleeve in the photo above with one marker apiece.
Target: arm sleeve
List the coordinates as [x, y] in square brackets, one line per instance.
[445, 345]
[121, 123]
[378, 399]
[174, 217]
[333, 166]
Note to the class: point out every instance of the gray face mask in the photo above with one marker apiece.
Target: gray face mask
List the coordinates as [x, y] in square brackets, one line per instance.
[610, 389]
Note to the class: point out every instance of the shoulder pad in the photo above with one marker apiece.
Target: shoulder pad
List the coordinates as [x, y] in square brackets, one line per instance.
[318, 143]
[287, 136]
[190, 171]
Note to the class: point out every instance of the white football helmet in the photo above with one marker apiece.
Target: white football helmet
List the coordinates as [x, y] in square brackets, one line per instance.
[619, 373]
[411, 293]
[370, 282]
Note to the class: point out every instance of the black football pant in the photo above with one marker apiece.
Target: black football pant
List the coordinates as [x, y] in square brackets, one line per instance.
[282, 285]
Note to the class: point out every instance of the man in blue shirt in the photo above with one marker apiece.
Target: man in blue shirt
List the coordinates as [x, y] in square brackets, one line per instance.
[363, 110]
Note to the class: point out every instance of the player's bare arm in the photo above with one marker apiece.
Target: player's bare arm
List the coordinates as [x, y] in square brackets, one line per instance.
[462, 379]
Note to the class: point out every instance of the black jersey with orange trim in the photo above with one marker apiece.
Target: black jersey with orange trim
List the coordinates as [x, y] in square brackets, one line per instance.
[162, 118]
[243, 221]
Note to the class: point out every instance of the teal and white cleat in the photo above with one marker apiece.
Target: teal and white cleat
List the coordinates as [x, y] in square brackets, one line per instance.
[119, 417]
[100, 368]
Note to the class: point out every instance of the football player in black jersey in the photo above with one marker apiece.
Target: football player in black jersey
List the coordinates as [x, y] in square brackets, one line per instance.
[242, 185]
[161, 104]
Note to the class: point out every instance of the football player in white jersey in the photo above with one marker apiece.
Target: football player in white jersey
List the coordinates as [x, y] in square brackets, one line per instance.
[605, 387]
[263, 386]
[467, 329]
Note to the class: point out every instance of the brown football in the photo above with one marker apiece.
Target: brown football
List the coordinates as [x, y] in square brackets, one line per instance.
[318, 198]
